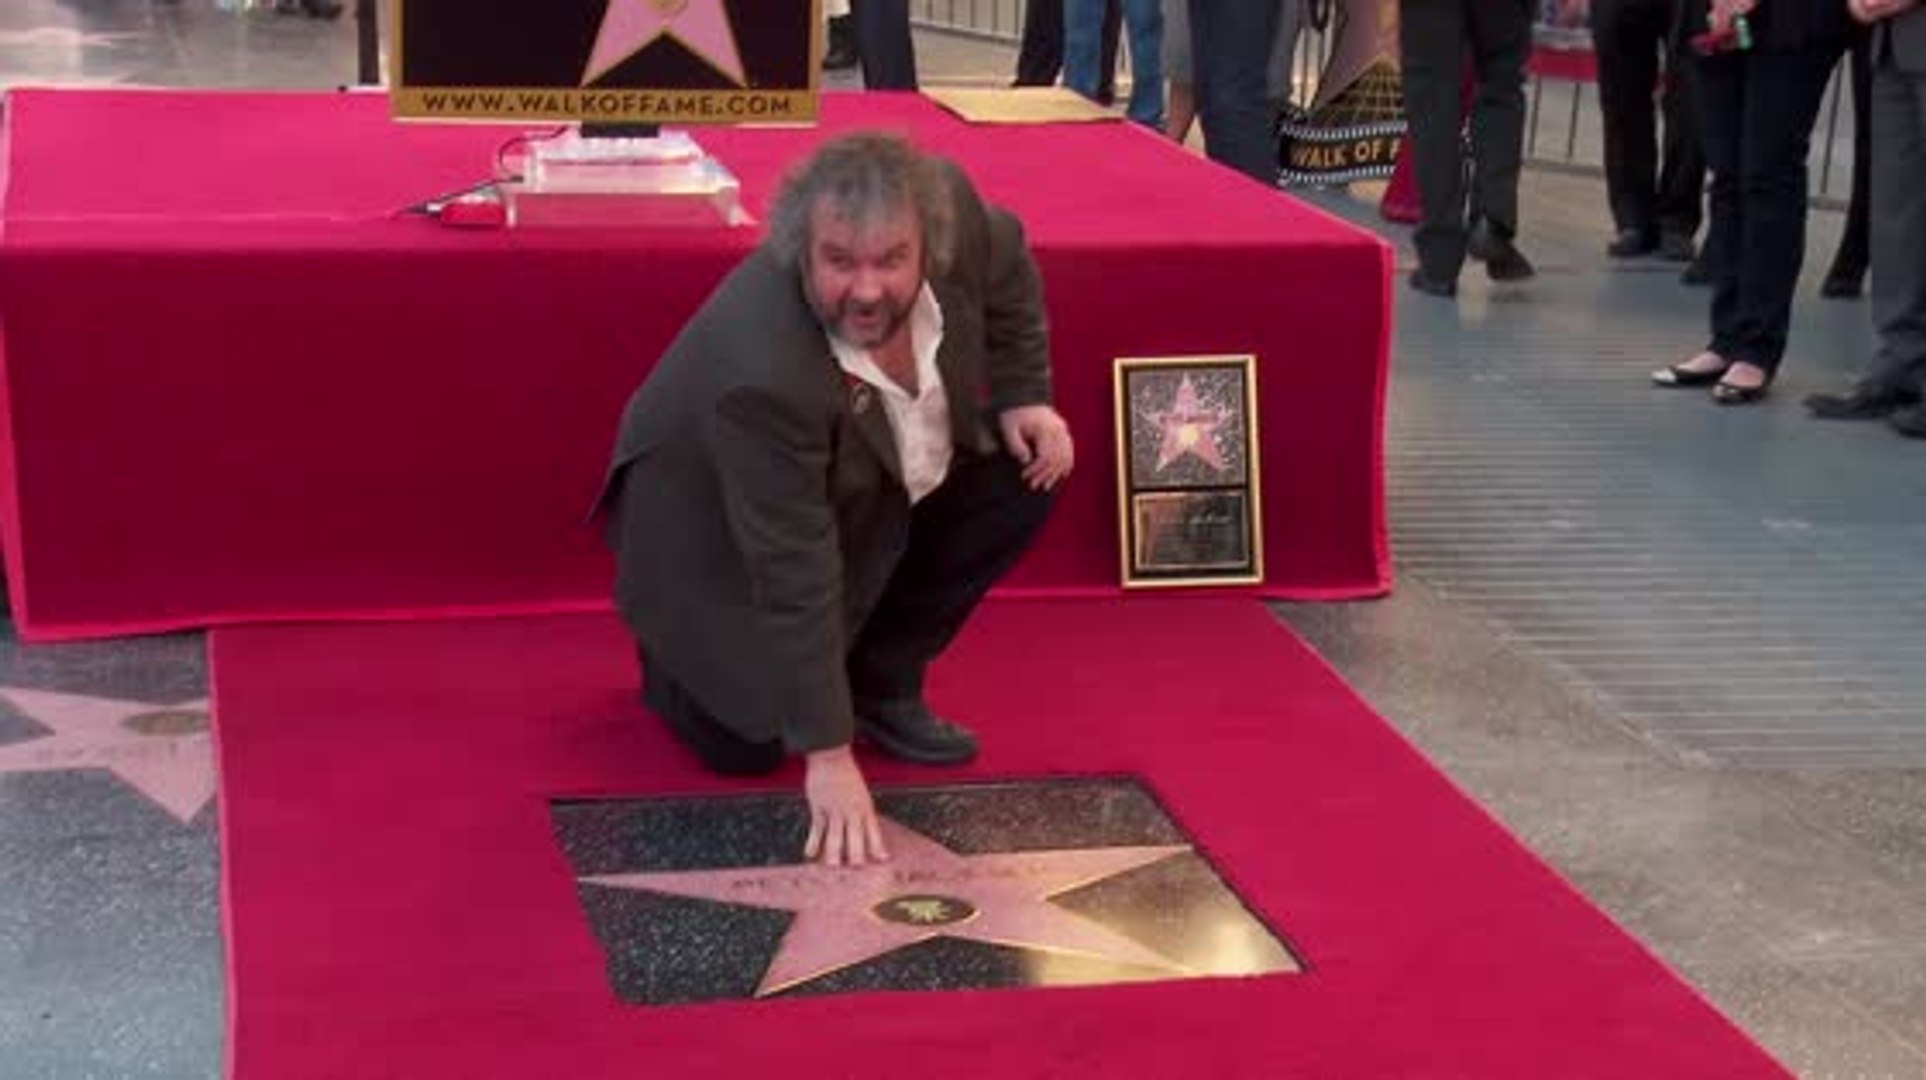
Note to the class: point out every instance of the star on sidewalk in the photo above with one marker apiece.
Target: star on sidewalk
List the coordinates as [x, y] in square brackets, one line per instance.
[1189, 428]
[629, 26]
[845, 916]
[162, 751]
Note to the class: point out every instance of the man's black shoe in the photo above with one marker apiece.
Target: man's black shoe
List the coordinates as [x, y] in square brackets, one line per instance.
[1677, 247]
[1432, 286]
[1909, 421]
[909, 730]
[1860, 403]
[1699, 273]
[1503, 261]
[1631, 243]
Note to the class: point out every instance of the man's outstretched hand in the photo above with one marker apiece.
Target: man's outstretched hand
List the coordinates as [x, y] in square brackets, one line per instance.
[843, 830]
[1040, 441]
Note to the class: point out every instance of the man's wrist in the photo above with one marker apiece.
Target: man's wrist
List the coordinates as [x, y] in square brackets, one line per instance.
[830, 755]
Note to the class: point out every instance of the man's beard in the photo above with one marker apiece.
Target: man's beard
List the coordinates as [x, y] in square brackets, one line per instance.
[889, 317]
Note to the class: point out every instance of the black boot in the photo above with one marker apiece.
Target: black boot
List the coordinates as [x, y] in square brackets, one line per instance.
[841, 54]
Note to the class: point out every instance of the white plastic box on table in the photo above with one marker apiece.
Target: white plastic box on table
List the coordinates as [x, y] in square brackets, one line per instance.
[662, 180]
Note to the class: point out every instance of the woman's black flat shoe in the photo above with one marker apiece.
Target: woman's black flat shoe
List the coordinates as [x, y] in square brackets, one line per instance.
[1679, 376]
[1728, 394]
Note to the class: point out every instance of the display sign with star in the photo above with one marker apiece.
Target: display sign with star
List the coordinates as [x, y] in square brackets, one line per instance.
[1353, 128]
[1187, 491]
[1053, 883]
[607, 61]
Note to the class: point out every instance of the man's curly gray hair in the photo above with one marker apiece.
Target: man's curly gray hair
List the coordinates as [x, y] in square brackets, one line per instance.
[864, 178]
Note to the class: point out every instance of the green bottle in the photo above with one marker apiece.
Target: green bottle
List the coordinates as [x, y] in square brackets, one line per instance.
[1743, 29]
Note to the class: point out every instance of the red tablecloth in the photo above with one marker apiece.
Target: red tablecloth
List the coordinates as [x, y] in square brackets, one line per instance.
[239, 386]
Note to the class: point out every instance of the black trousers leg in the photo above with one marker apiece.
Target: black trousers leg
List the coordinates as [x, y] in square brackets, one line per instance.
[1855, 243]
[719, 749]
[1626, 35]
[1758, 112]
[1681, 184]
[1500, 46]
[883, 41]
[1432, 39]
[1040, 55]
[964, 536]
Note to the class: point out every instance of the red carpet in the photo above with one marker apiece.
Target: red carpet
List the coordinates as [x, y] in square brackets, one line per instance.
[398, 906]
[306, 407]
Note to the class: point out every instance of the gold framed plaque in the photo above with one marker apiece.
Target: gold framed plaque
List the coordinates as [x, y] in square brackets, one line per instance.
[1187, 471]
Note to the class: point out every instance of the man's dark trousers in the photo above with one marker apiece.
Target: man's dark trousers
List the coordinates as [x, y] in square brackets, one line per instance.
[964, 537]
[1898, 117]
[1648, 196]
[1434, 36]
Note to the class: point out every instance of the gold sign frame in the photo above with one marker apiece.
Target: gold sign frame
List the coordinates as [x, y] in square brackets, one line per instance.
[1189, 505]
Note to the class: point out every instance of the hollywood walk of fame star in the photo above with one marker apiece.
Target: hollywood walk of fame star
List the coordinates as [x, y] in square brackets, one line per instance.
[629, 26]
[846, 915]
[1189, 428]
[162, 751]
[1367, 34]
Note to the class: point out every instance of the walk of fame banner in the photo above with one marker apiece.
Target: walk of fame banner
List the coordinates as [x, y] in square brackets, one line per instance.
[607, 61]
[1355, 122]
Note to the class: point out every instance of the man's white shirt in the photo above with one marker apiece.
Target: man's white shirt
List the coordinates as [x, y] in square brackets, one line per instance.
[920, 424]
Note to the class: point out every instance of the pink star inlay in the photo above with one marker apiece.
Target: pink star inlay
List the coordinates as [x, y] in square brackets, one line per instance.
[1189, 428]
[162, 751]
[847, 915]
[629, 26]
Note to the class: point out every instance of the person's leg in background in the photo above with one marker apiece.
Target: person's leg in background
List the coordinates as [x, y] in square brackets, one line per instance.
[839, 52]
[1722, 92]
[1145, 21]
[1431, 38]
[883, 41]
[1082, 26]
[1040, 53]
[1113, 22]
[1681, 180]
[1625, 35]
[1781, 98]
[1847, 276]
[1230, 44]
[1501, 40]
[1894, 383]
[1181, 104]
[1899, 249]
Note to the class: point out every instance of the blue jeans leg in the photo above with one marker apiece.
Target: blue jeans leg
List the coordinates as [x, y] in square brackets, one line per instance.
[1144, 20]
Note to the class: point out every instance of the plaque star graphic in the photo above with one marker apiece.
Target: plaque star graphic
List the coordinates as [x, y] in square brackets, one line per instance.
[844, 916]
[629, 26]
[1189, 428]
[1367, 34]
[162, 751]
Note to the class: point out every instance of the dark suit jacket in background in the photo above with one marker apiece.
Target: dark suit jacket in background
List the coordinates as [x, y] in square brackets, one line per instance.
[756, 514]
[1905, 36]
